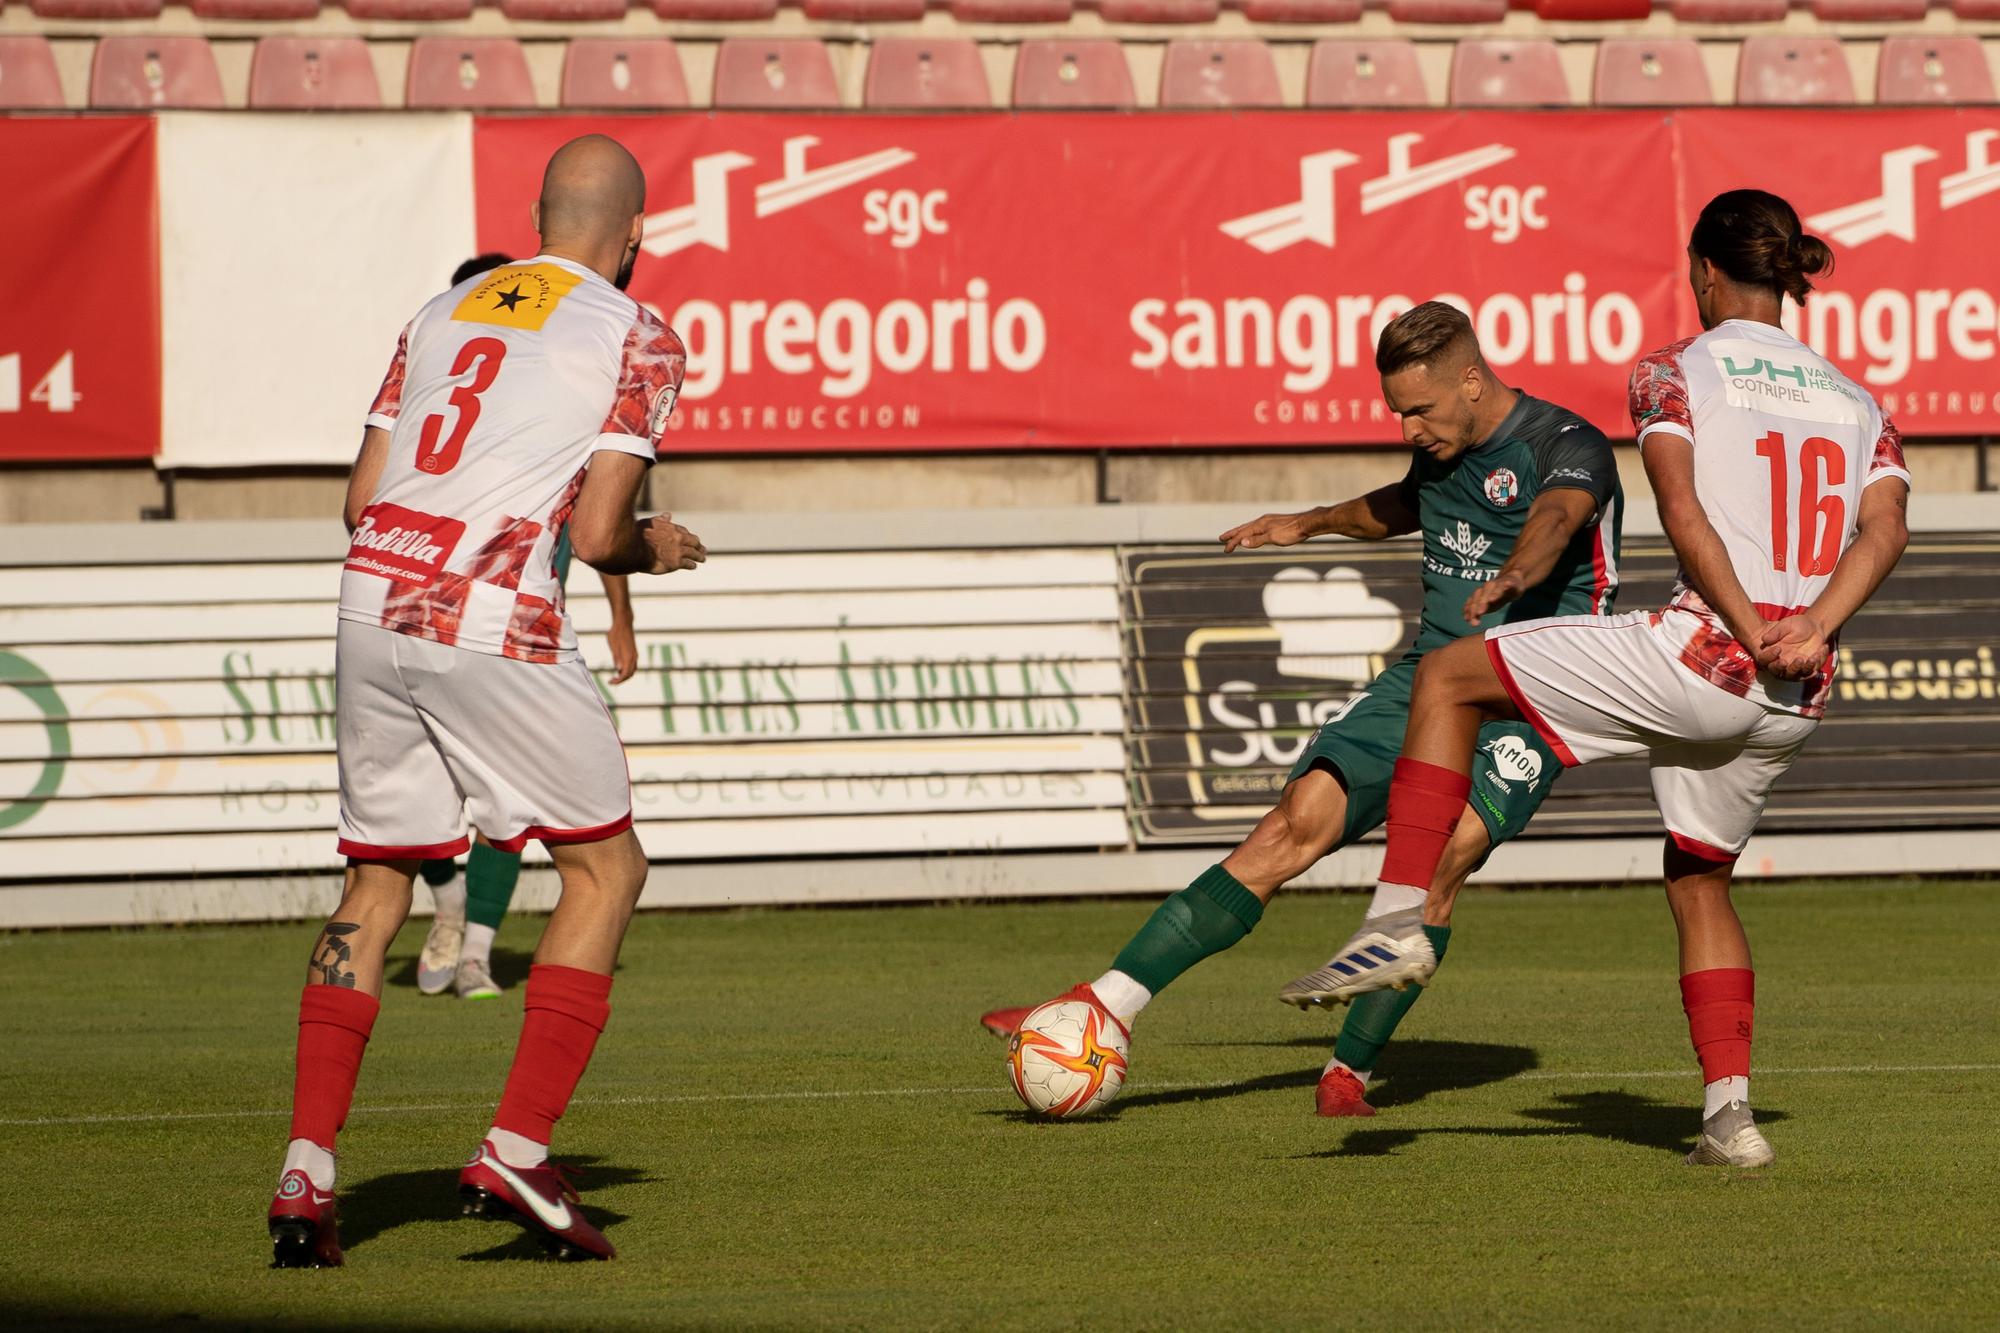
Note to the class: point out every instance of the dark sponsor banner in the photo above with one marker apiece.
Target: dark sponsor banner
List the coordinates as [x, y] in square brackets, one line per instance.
[1235, 660]
[79, 241]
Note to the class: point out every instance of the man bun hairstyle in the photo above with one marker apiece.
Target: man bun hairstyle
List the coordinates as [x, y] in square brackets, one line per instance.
[1429, 334]
[1756, 238]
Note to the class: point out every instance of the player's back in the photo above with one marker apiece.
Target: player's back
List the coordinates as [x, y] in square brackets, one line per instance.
[501, 391]
[1784, 445]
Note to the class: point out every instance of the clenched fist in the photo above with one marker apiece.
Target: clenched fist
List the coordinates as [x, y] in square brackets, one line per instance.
[672, 545]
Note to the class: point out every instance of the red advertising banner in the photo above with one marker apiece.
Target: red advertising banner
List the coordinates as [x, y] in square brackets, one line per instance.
[1910, 203]
[79, 243]
[1088, 280]
[988, 280]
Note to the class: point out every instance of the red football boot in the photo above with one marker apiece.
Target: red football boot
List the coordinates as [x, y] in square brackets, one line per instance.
[1005, 1022]
[539, 1198]
[1339, 1093]
[305, 1225]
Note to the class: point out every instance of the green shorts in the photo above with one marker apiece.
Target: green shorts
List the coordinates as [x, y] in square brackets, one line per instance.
[1511, 773]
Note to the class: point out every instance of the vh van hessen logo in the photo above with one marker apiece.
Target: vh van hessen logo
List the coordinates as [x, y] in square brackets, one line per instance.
[846, 343]
[1891, 331]
[1310, 336]
[1330, 634]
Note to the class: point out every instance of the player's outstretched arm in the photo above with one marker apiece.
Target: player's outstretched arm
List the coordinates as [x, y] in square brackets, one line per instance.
[367, 474]
[1797, 645]
[610, 540]
[1370, 518]
[624, 643]
[1704, 559]
[1553, 520]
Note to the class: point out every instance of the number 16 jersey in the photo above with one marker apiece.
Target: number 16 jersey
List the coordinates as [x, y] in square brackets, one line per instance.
[1784, 445]
[501, 391]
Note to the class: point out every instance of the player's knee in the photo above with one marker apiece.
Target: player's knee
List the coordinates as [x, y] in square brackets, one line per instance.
[1285, 843]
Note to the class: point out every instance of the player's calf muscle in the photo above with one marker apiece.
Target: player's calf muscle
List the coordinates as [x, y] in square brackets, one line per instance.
[1288, 841]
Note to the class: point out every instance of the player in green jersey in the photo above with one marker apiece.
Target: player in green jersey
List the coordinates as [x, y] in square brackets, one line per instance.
[1506, 489]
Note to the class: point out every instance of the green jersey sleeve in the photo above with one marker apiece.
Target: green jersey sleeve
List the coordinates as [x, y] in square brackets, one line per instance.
[1576, 455]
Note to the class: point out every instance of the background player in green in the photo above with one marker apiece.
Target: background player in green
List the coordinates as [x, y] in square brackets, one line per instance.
[1508, 490]
[458, 951]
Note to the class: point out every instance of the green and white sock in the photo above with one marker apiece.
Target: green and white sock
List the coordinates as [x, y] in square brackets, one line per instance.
[490, 877]
[1208, 916]
[1372, 1018]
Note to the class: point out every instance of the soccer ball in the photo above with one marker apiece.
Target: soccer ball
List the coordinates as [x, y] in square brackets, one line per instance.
[1067, 1059]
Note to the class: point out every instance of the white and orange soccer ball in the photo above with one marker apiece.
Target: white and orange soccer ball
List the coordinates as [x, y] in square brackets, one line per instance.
[1067, 1058]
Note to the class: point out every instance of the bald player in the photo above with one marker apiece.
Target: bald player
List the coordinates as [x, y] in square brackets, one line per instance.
[523, 399]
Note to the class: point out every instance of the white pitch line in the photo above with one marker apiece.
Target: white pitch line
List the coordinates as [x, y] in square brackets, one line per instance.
[848, 1094]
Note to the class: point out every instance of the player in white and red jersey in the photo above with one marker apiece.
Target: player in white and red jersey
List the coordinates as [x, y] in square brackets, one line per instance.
[521, 400]
[1781, 485]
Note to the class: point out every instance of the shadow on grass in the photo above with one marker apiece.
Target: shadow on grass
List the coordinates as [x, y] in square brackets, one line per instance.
[1621, 1117]
[510, 969]
[1413, 1070]
[383, 1203]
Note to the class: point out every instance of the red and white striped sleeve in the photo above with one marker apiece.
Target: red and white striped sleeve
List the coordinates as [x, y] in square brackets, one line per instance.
[649, 383]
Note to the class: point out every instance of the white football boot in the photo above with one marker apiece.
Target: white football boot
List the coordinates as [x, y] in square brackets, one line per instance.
[438, 963]
[1389, 952]
[1730, 1138]
[475, 981]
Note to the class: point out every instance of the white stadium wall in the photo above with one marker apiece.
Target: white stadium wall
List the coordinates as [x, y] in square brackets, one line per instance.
[1001, 702]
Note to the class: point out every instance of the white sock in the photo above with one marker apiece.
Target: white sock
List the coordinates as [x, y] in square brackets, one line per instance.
[478, 946]
[307, 1156]
[1362, 1074]
[517, 1149]
[1394, 898]
[1120, 994]
[1716, 1095]
[450, 899]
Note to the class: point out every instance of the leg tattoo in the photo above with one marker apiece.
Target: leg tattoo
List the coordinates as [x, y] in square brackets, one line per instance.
[331, 953]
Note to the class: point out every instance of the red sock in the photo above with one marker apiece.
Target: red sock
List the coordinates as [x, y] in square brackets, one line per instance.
[1719, 1003]
[334, 1023]
[1424, 805]
[566, 1009]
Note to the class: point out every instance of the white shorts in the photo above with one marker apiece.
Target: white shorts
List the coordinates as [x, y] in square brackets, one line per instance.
[1597, 686]
[432, 737]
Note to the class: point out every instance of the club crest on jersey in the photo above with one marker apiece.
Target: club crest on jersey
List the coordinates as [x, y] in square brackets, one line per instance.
[1502, 487]
[1514, 760]
[516, 296]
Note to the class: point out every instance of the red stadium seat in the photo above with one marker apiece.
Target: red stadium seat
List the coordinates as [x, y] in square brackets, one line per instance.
[1159, 11]
[1648, 71]
[725, 11]
[468, 72]
[1869, 11]
[1503, 73]
[1060, 72]
[1976, 9]
[1574, 11]
[865, 11]
[97, 9]
[774, 72]
[28, 80]
[643, 73]
[1729, 11]
[144, 72]
[1012, 11]
[1229, 73]
[1302, 11]
[1932, 69]
[413, 11]
[255, 9]
[913, 73]
[312, 74]
[1447, 11]
[1354, 73]
[564, 11]
[1793, 71]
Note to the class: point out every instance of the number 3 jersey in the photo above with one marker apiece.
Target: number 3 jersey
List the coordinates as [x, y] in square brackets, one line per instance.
[501, 391]
[1784, 445]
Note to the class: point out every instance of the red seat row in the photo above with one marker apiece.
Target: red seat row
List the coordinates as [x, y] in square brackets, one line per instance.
[307, 73]
[1032, 11]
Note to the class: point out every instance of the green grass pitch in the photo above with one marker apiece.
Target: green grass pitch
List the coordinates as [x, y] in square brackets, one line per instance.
[793, 1121]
